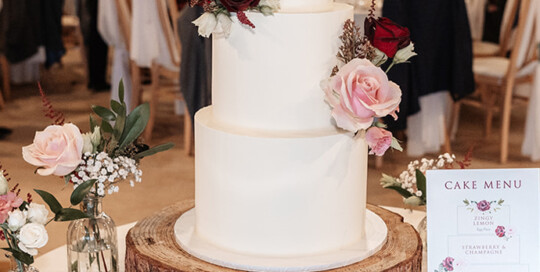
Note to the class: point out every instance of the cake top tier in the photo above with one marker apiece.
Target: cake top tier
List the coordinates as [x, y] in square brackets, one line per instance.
[305, 5]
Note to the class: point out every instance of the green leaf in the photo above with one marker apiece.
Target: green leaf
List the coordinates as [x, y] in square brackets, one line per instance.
[117, 107]
[23, 257]
[67, 178]
[421, 183]
[395, 145]
[414, 201]
[104, 113]
[135, 124]
[466, 202]
[75, 266]
[69, 214]
[81, 191]
[119, 125]
[53, 203]
[106, 127]
[404, 193]
[154, 150]
[121, 90]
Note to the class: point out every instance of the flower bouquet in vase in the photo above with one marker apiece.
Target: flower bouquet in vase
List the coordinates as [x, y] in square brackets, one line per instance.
[94, 162]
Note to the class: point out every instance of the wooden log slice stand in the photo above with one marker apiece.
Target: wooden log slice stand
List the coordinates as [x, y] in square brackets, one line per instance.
[151, 246]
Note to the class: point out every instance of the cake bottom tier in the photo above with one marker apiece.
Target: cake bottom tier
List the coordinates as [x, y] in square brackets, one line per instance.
[278, 194]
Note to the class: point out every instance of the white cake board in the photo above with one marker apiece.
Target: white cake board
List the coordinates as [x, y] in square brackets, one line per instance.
[186, 237]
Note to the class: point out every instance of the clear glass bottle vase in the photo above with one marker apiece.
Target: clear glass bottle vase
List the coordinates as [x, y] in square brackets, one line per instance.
[17, 266]
[92, 242]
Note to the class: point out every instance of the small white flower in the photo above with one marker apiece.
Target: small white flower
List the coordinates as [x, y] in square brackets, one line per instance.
[404, 54]
[131, 183]
[37, 213]
[418, 193]
[101, 191]
[207, 24]
[16, 219]
[102, 179]
[31, 237]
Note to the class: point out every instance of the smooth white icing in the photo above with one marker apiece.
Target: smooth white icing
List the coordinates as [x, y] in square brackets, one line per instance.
[277, 195]
[269, 77]
[305, 5]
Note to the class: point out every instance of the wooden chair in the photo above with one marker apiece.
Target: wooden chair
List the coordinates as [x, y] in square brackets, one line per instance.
[497, 76]
[487, 49]
[168, 14]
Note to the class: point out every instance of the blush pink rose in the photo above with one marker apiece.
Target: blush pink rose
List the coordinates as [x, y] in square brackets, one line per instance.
[8, 202]
[378, 140]
[56, 150]
[359, 92]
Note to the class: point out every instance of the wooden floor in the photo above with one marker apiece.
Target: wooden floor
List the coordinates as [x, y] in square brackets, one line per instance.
[169, 177]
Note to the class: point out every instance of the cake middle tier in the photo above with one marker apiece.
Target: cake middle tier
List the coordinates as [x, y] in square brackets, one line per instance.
[278, 194]
[269, 77]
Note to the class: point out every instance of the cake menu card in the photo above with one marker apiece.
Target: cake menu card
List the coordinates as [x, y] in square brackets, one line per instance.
[483, 220]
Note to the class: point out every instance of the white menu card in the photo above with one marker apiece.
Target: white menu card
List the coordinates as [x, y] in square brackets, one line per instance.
[483, 220]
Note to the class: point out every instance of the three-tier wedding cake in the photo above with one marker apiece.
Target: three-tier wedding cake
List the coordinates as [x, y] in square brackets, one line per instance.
[275, 178]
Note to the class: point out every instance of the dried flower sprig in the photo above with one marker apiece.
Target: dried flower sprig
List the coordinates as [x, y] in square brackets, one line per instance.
[354, 44]
[56, 116]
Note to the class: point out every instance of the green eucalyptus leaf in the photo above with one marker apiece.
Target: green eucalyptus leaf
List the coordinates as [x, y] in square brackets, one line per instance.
[421, 183]
[53, 203]
[81, 191]
[104, 113]
[119, 125]
[69, 214]
[121, 91]
[106, 127]
[117, 107]
[154, 150]
[135, 124]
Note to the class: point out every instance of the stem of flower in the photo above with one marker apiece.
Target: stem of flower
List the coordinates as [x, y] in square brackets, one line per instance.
[390, 67]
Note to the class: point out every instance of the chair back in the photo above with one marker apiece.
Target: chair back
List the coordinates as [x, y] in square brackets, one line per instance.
[168, 15]
[507, 26]
[523, 56]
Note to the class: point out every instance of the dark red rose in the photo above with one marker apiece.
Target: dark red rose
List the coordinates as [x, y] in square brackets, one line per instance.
[386, 35]
[239, 5]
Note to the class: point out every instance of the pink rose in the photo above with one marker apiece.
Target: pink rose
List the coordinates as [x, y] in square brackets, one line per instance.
[483, 206]
[359, 92]
[56, 150]
[8, 202]
[499, 231]
[448, 264]
[378, 140]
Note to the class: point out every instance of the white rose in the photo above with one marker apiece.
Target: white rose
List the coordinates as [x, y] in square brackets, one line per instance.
[207, 24]
[16, 220]
[225, 22]
[37, 213]
[4, 187]
[96, 136]
[31, 237]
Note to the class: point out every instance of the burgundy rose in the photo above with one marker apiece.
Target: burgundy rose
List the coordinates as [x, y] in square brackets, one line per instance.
[483, 206]
[448, 263]
[500, 231]
[239, 5]
[386, 35]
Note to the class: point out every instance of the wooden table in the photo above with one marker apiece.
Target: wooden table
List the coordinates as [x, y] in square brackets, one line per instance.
[151, 246]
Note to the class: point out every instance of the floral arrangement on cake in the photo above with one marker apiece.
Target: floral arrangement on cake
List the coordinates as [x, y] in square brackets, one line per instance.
[218, 13]
[99, 159]
[411, 183]
[358, 90]
[22, 223]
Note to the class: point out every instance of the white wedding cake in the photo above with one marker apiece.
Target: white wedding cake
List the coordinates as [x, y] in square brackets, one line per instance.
[274, 176]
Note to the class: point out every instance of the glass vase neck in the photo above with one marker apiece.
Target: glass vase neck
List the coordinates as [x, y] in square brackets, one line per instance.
[91, 205]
